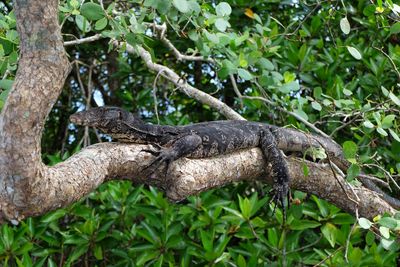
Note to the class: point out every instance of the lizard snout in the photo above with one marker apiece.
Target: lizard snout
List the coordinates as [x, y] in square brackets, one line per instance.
[74, 118]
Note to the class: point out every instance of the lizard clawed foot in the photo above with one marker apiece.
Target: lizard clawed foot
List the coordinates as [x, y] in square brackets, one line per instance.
[280, 193]
[162, 155]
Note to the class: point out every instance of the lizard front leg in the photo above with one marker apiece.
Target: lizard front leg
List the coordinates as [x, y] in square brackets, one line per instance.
[280, 172]
[182, 147]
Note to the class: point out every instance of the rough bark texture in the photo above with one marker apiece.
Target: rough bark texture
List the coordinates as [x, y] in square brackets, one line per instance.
[43, 67]
[28, 187]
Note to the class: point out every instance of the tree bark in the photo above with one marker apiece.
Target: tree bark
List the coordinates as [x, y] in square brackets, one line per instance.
[29, 188]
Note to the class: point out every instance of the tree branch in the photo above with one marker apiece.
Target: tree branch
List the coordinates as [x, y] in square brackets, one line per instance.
[83, 40]
[181, 84]
[29, 188]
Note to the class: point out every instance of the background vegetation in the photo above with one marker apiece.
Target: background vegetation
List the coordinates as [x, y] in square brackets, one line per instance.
[333, 64]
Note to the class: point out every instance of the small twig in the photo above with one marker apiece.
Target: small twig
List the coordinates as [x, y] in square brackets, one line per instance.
[6, 73]
[155, 95]
[385, 172]
[344, 125]
[390, 60]
[78, 75]
[236, 89]
[96, 132]
[83, 40]
[306, 246]
[374, 179]
[161, 29]
[305, 19]
[355, 201]
[350, 233]
[298, 117]
[327, 258]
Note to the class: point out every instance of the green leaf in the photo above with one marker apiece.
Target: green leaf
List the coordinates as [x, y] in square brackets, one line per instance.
[266, 64]
[369, 238]
[211, 37]
[289, 76]
[345, 25]
[317, 92]
[368, 124]
[101, 24]
[148, 233]
[386, 244]
[301, 113]
[244, 74]
[53, 216]
[82, 23]
[98, 252]
[316, 106]
[303, 224]
[76, 253]
[354, 52]
[343, 218]
[227, 68]
[6, 84]
[132, 39]
[181, 5]
[207, 238]
[387, 122]
[364, 223]
[240, 261]
[394, 135]
[394, 98]
[234, 212]
[353, 171]
[7, 236]
[221, 24]
[349, 150]
[388, 222]
[384, 91]
[347, 92]
[385, 232]
[75, 239]
[355, 256]
[290, 87]
[92, 11]
[74, 3]
[329, 231]
[305, 170]
[381, 131]
[395, 28]
[194, 6]
[223, 9]
[272, 236]
[245, 207]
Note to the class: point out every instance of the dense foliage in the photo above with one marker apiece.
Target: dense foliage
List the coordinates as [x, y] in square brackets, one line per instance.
[332, 64]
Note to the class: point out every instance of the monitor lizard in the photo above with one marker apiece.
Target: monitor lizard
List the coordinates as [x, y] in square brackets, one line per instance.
[207, 139]
[199, 140]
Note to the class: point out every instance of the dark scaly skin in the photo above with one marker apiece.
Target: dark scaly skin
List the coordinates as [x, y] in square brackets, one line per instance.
[198, 140]
[214, 138]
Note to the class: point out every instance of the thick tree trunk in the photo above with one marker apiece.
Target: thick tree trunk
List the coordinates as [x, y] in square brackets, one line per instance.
[43, 67]
[28, 187]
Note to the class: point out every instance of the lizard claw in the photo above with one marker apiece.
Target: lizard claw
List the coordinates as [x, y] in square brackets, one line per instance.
[154, 152]
[161, 156]
[280, 193]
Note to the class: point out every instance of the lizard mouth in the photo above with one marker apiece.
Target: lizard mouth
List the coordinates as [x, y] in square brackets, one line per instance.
[76, 120]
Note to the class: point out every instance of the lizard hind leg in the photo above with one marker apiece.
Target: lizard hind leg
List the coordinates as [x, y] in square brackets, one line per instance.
[280, 172]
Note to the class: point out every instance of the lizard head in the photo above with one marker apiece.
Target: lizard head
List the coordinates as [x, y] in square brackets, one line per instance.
[100, 117]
